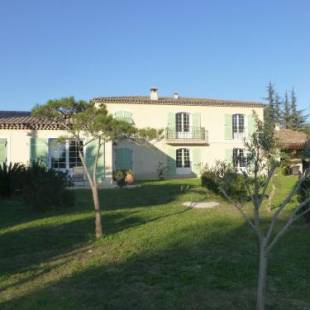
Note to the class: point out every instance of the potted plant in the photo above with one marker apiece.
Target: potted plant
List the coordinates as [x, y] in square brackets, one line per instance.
[119, 177]
[129, 178]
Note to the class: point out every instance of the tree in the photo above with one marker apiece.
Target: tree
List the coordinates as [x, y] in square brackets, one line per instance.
[297, 117]
[270, 111]
[287, 112]
[81, 120]
[262, 158]
[277, 109]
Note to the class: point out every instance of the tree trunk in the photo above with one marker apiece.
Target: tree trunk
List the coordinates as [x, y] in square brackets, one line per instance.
[98, 224]
[262, 278]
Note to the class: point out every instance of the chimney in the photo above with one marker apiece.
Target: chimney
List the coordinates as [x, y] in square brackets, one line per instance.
[176, 95]
[154, 93]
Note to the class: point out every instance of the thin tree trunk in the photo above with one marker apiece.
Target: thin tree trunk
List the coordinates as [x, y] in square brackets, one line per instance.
[262, 278]
[98, 224]
[94, 188]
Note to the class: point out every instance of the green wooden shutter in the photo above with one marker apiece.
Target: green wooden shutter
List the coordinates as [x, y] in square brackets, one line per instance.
[196, 125]
[39, 150]
[91, 152]
[251, 125]
[124, 116]
[196, 162]
[171, 163]
[3, 151]
[123, 159]
[228, 127]
[229, 156]
[171, 121]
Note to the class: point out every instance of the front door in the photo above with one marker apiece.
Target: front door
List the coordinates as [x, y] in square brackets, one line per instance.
[183, 163]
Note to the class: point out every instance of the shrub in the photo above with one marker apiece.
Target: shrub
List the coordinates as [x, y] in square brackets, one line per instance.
[226, 177]
[304, 194]
[119, 177]
[43, 188]
[10, 179]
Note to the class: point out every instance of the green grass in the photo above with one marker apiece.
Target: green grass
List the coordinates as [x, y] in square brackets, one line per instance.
[156, 254]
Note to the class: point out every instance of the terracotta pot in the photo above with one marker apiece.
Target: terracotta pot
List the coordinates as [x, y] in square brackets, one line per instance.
[129, 179]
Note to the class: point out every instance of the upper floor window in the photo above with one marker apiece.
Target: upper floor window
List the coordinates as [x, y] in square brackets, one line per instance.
[183, 158]
[239, 158]
[182, 122]
[238, 126]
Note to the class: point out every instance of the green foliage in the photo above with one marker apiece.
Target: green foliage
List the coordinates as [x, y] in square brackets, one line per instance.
[288, 116]
[225, 177]
[43, 188]
[10, 179]
[305, 153]
[304, 194]
[119, 177]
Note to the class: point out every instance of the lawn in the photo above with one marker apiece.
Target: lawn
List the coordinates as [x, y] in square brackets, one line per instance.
[156, 254]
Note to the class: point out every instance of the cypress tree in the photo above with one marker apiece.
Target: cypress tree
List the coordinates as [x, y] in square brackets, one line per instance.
[286, 112]
[297, 117]
[270, 115]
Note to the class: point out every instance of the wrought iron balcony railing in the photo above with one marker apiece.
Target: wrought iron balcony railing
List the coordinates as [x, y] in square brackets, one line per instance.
[194, 135]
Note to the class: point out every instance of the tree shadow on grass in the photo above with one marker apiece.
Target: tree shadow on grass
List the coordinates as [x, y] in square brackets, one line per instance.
[31, 246]
[16, 213]
[194, 269]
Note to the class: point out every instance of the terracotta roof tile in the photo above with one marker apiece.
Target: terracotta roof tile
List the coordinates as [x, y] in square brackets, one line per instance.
[23, 120]
[179, 101]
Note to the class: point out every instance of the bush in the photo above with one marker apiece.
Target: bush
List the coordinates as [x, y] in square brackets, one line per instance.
[43, 188]
[10, 179]
[226, 177]
[304, 194]
[119, 176]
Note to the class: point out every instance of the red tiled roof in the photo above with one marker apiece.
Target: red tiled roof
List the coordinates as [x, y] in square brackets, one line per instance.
[24, 120]
[178, 101]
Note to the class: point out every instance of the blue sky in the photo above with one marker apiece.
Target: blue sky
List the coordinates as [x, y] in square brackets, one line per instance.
[214, 49]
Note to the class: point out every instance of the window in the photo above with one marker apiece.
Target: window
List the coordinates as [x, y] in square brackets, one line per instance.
[74, 158]
[182, 122]
[57, 151]
[182, 158]
[64, 155]
[238, 126]
[239, 158]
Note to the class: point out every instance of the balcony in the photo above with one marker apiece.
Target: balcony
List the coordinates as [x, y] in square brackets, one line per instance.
[195, 136]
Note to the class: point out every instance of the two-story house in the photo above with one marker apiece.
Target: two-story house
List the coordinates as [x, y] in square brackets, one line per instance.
[197, 132]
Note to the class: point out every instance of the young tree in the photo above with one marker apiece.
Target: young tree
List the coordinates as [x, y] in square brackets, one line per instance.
[83, 120]
[261, 158]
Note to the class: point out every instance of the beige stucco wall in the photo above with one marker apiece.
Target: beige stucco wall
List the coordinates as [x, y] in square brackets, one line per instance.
[156, 116]
[18, 147]
[146, 157]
